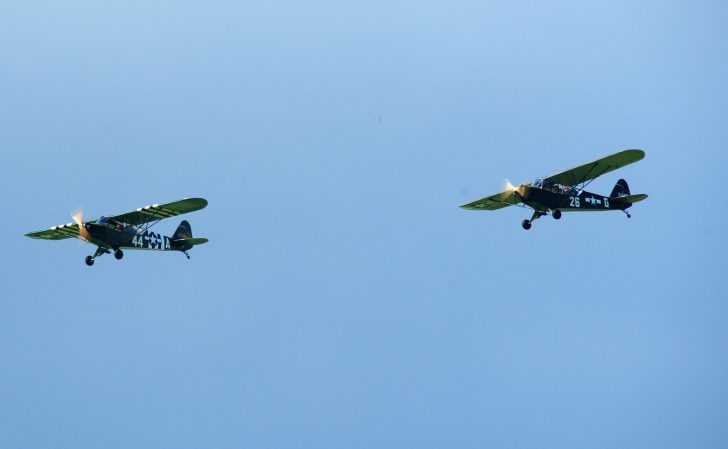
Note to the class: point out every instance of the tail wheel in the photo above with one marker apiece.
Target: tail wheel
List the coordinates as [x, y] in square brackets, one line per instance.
[556, 214]
[526, 224]
[89, 260]
[118, 254]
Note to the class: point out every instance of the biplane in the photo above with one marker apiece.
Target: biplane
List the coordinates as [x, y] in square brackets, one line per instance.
[130, 230]
[564, 192]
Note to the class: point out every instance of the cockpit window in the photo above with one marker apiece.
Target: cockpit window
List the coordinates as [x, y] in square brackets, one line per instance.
[559, 188]
[538, 182]
[103, 220]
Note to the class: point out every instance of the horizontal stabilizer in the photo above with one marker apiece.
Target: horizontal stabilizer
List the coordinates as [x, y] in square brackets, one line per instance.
[628, 198]
[190, 241]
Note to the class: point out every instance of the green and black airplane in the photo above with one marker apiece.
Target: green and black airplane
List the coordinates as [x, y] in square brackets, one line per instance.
[564, 192]
[130, 230]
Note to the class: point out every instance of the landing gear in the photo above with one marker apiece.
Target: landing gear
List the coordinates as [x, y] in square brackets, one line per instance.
[556, 214]
[118, 254]
[99, 251]
[188, 256]
[536, 215]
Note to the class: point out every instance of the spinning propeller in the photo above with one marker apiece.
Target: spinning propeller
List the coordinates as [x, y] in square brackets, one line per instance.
[78, 218]
[510, 189]
[508, 186]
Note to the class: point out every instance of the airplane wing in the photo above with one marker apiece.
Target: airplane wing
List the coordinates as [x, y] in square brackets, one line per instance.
[493, 202]
[159, 211]
[587, 172]
[60, 232]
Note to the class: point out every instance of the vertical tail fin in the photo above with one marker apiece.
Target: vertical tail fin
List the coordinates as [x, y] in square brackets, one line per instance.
[620, 189]
[184, 231]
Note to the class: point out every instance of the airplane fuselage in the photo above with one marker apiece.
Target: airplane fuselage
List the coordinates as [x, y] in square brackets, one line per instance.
[117, 236]
[566, 200]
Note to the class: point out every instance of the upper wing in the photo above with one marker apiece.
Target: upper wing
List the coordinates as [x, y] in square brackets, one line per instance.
[159, 211]
[597, 168]
[493, 202]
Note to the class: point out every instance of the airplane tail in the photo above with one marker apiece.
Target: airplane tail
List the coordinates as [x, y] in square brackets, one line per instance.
[184, 231]
[620, 189]
[182, 238]
[621, 198]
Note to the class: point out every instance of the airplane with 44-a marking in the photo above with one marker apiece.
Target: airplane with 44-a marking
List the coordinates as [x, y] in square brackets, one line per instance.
[564, 192]
[130, 230]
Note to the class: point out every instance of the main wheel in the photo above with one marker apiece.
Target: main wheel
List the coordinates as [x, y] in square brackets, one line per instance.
[526, 224]
[89, 260]
[556, 214]
[118, 254]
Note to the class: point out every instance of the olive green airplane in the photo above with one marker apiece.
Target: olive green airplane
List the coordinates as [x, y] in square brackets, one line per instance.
[564, 192]
[130, 230]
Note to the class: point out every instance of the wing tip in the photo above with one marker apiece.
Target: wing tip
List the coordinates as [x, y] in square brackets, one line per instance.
[469, 206]
[201, 201]
[640, 154]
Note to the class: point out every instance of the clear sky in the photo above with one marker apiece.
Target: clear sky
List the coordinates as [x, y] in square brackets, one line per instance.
[344, 300]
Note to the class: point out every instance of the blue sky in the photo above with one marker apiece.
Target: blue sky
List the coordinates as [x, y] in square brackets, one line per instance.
[344, 300]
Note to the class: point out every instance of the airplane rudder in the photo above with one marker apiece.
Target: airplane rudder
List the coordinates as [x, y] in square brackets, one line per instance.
[621, 188]
[184, 231]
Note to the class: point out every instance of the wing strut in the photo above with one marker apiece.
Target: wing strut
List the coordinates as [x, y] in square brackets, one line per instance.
[581, 185]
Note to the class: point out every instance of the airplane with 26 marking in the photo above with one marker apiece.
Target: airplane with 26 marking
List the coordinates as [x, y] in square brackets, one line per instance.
[564, 192]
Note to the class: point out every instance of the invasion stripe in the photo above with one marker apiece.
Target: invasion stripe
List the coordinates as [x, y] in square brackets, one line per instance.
[155, 213]
[164, 213]
[169, 212]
